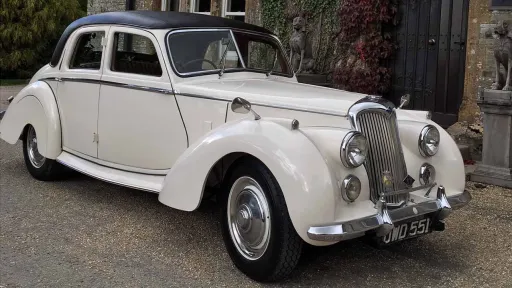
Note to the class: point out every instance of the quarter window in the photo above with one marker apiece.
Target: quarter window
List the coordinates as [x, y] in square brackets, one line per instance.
[88, 51]
[135, 54]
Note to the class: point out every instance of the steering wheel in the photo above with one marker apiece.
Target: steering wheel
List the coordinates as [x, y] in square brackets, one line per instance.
[199, 60]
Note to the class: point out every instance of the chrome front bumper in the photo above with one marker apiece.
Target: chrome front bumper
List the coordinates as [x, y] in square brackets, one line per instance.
[382, 222]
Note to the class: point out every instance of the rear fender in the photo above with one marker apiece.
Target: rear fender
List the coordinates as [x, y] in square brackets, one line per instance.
[34, 105]
[295, 162]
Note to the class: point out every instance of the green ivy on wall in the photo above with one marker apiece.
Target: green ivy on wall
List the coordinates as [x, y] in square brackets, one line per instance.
[322, 23]
[346, 35]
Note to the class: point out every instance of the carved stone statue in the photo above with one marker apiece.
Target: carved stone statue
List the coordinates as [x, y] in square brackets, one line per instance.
[503, 56]
[301, 54]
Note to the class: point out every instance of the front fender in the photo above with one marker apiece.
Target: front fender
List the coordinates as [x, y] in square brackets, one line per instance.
[298, 166]
[34, 105]
[448, 161]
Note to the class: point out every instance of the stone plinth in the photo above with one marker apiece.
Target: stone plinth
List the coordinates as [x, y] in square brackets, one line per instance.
[314, 79]
[496, 166]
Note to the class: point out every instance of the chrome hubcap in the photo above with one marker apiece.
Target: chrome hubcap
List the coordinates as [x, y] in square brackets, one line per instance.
[35, 158]
[249, 218]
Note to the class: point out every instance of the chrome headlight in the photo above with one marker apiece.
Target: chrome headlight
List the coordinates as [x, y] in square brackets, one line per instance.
[429, 141]
[350, 188]
[427, 174]
[354, 149]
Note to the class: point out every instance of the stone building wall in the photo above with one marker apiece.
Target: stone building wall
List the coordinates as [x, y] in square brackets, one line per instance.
[480, 65]
[139, 44]
[100, 6]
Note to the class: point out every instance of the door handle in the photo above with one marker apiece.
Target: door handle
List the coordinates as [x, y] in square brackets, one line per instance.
[58, 79]
[432, 41]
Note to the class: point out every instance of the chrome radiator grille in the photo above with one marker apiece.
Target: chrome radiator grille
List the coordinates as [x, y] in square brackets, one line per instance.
[385, 153]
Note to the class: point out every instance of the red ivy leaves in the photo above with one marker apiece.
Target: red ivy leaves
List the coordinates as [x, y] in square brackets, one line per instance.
[360, 50]
[361, 32]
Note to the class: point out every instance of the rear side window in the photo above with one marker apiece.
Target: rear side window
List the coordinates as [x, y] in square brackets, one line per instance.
[135, 54]
[88, 51]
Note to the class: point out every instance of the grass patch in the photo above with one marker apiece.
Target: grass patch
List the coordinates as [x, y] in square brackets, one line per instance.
[12, 82]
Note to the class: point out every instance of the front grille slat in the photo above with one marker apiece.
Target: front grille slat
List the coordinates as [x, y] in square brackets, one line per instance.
[392, 157]
[385, 153]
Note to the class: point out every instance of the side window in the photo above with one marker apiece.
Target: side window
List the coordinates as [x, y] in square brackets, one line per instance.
[262, 56]
[88, 51]
[135, 54]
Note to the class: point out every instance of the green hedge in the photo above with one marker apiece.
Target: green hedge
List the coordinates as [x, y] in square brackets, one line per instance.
[29, 30]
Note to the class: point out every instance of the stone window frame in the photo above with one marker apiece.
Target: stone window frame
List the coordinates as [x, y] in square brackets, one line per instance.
[225, 13]
[193, 5]
[499, 7]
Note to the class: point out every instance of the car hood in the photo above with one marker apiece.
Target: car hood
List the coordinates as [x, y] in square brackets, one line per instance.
[275, 93]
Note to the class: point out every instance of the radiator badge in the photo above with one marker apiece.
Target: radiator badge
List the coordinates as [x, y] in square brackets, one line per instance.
[387, 181]
[408, 181]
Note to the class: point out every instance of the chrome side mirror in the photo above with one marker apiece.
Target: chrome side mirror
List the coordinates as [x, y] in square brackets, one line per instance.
[242, 106]
[404, 101]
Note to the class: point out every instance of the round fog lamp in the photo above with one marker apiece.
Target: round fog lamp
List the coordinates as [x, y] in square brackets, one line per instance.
[350, 188]
[427, 174]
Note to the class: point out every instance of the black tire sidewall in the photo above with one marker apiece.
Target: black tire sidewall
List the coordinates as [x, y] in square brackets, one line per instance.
[266, 265]
[43, 173]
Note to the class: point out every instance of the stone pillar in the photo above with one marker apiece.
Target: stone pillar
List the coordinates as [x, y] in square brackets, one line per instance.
[215, 7]
[184, 5]
[253, 12]
[496, 166]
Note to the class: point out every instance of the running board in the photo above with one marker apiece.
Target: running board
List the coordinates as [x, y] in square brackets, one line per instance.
[151, 183]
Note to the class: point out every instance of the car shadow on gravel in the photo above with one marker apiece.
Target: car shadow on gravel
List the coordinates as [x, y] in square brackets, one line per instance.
[156, 227]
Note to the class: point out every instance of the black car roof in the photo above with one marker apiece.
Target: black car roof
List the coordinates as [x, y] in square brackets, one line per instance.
[152, 20]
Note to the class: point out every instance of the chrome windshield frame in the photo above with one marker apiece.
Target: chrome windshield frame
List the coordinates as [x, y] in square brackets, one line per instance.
[270, 37]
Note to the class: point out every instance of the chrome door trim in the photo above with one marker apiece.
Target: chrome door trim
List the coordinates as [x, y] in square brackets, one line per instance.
[174, 92]
[256, 103]
[110, 83]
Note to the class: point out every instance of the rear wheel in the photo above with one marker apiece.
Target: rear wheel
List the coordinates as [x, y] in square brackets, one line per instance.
[256, 227]
[38, 166]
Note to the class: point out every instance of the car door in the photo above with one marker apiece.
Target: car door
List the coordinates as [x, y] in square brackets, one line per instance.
[78, 89]
[139, 121]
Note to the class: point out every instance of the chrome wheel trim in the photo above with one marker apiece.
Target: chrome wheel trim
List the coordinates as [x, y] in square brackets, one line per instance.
[249, 218]
[37, 160]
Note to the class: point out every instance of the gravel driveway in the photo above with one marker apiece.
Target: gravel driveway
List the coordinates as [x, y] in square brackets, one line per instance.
[83, 232]
[6, 92]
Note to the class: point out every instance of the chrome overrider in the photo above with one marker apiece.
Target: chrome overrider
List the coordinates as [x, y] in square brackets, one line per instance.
[383, 221]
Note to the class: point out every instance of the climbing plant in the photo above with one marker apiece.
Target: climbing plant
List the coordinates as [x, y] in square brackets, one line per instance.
[321, 18]
[362, 68]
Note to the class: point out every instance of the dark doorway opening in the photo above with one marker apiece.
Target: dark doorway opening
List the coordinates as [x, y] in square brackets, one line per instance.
[429, 62]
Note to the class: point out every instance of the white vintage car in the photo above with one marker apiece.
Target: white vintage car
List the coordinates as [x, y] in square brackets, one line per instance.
[185, 105]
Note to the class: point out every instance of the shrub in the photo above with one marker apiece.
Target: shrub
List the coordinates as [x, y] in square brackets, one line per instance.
[29, 30]
[363, 69]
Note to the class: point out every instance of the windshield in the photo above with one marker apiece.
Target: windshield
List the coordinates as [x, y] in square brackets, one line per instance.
[202, 52]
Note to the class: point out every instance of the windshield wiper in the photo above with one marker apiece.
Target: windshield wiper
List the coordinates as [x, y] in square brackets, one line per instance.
[223, 59]
[274, 64]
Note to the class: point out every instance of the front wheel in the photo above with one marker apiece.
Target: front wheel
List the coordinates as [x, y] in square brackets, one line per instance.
[256, 227]
[38, 166]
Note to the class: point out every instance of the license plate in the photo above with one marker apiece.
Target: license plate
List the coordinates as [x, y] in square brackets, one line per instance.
[408, 230]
